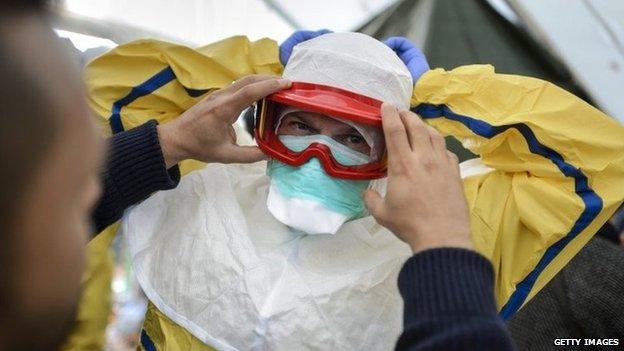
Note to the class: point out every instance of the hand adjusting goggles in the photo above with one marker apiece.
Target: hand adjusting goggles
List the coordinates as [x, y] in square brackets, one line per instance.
[340, 128]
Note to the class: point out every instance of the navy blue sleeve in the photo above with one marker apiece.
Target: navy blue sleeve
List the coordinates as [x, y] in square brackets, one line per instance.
[449, 303]
[135, 168]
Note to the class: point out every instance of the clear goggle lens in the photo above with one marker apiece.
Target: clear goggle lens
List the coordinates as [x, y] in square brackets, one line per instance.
[350, 143]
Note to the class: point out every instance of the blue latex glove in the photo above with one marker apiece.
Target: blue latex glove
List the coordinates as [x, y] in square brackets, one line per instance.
[413, 58]
[297, 37]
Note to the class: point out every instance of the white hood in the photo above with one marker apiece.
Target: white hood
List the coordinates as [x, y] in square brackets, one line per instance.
[354, 62]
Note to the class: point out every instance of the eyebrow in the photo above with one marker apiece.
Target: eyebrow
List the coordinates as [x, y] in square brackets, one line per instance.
[348, 131]
[352, 130]
[310, 123]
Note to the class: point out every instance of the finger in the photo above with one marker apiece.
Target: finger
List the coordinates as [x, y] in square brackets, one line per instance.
[454, 160]
[232, 133]
[307, 35]
[452, 157]
[417, 133]
[241, 154]
[374, 203]
[411, 53]
[253, 92]
[397, 143]
[393, 43]
[437, 141]
[238, 84]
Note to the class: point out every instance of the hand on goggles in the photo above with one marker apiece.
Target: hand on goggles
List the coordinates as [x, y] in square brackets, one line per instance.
[205, 133]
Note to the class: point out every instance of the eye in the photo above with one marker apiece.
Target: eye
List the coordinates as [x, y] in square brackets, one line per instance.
[301, 126]
[354, 139]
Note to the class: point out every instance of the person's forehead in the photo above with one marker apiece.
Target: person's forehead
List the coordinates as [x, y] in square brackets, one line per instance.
[306, 115]
[45, 58]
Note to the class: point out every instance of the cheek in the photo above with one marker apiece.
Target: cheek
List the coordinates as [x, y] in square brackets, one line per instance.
[362, 147]
[52, 254]
[91, 195]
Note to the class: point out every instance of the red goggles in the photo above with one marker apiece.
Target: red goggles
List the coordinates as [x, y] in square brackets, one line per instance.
[327, 102]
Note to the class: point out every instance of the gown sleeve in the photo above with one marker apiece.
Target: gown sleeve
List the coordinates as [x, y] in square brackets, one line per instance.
[150, 79]
[135, 85]
[550, 170]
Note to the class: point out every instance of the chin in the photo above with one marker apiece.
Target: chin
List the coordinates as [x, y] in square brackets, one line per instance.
[39, 330]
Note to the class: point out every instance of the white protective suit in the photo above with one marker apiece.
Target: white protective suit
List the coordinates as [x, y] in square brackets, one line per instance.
[213, 259]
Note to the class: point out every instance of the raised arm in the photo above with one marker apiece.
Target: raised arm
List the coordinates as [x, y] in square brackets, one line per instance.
[131, 99]
[551, 173]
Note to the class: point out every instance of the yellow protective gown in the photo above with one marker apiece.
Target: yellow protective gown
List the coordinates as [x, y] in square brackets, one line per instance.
[553, 165]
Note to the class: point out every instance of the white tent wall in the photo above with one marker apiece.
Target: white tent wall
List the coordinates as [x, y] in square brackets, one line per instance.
[337, 15]
[196, 22]
[588, 37]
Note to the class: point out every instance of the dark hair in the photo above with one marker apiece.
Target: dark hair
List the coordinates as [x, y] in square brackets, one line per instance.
[12, 5]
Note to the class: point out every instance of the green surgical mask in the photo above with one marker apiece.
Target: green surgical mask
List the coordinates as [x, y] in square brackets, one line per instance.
[326, 196]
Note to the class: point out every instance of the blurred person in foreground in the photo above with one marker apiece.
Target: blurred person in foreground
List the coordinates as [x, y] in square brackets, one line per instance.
[51, 156]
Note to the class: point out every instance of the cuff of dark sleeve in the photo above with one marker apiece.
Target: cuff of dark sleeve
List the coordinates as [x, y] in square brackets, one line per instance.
[139, 168]
[447, 281]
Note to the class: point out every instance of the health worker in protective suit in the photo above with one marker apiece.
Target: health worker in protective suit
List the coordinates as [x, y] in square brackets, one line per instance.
[283, 254]
[290, 256]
